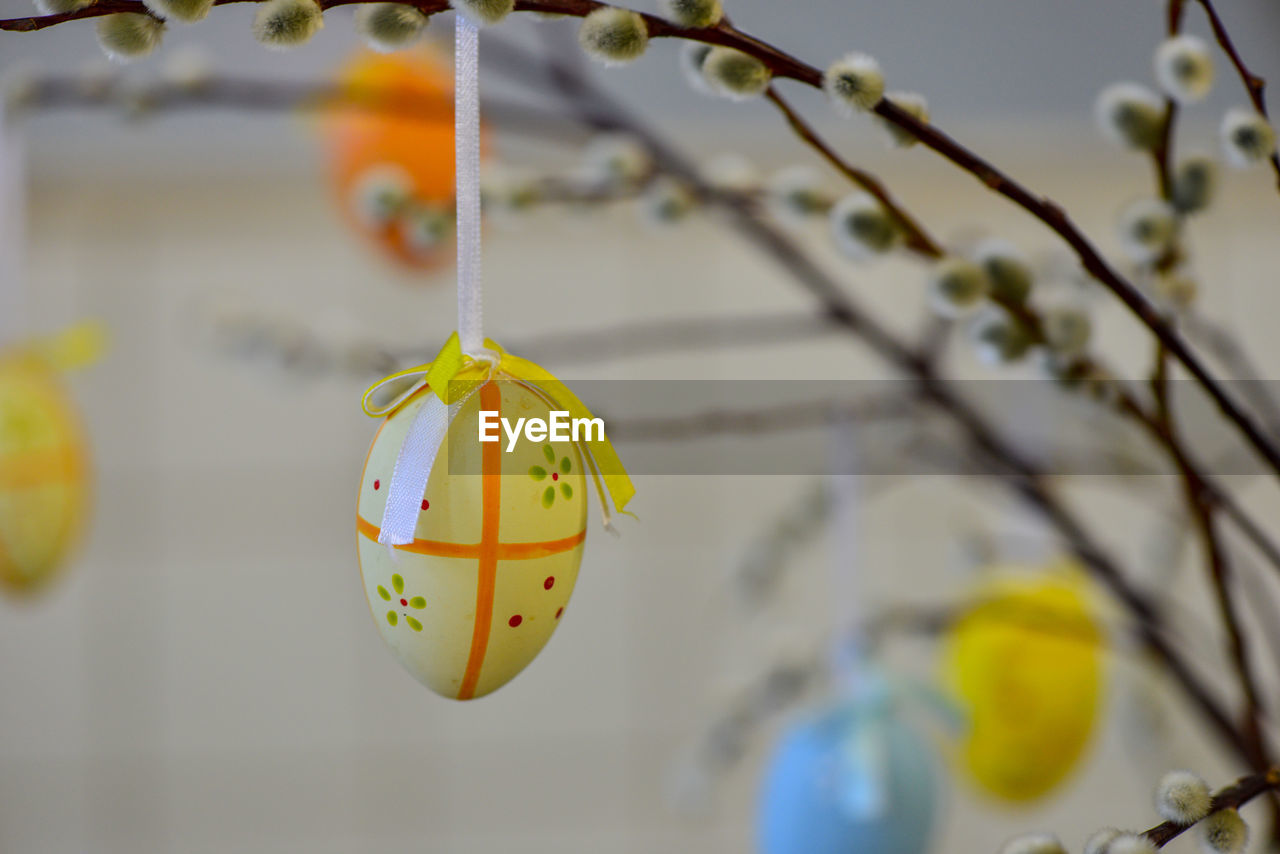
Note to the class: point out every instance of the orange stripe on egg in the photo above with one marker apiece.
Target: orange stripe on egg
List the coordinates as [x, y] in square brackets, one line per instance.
[506, 551]
[39, 468]
[526, 551]
[487, 574]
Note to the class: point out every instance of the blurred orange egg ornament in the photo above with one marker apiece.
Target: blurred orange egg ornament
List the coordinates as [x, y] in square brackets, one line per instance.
[391, 157]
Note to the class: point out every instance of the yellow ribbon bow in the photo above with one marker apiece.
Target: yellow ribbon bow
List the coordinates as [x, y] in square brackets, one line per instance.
[451, 376]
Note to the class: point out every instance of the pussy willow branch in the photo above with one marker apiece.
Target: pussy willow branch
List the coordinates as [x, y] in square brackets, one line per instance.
[1254, 85]
[1202, 499]
[1022, 477]
[767, 419]
[917, 238]
[784, 65]
[1199, 504]
[56, 92]
[1234, 796]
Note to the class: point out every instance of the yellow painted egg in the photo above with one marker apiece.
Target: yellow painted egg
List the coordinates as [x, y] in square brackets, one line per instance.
[1025, 665]
[495, 556]
[43, 474]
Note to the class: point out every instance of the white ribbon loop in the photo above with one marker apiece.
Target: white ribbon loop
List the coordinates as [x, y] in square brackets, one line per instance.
[466, 140]
[413, 468]
[430, 426]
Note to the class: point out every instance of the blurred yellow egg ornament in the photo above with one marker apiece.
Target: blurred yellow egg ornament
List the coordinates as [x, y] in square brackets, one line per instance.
[1025, 665]
[476, 587]
[44, 460]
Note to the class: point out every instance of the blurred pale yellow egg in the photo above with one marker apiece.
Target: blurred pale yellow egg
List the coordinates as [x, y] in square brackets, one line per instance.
[1025, 665]
[474, 598]
[43, 473]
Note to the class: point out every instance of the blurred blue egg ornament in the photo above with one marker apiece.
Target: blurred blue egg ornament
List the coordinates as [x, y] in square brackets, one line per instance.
[852, 779]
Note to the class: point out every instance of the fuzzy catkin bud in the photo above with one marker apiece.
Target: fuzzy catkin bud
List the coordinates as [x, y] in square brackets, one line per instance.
[909, 102]
[1130, 114]
[854, 83]
[424, 227]
[613, 159]
[62, 7]
[1147, 228]
[387, 27]
[1184, 68]
[666, 202]
[1009, 273]
[1130, 843]
[380, 194]
[693, 13]
[955, 286]
[1099, 840]
[734, 74]
[1033, 843]
[693, 55]
[1194, 183]
[481, 12]
[614, 36]
[1067, 330]
[129, 35]
[1176, 291]
[287, 23]
[188, 11]
[1182, 797]
[797, 194]
[1224, 832]
[862, 228]
[731, 172]
[998, 338]
[187, 69]
[1247, 137]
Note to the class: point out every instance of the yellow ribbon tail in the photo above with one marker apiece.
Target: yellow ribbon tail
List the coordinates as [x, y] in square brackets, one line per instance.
[75, 347]
[600, 455]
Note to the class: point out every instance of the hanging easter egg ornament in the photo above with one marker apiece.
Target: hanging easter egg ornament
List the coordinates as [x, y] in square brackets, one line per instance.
[391, 160]
[469, 538]
[1025, 666]
[851, 778]
[44, 461]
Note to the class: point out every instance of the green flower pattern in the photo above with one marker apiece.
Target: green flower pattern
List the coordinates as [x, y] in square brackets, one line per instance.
[417, 603]
[538, 473]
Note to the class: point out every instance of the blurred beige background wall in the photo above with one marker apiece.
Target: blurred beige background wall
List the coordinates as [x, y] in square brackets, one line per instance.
[207, 678]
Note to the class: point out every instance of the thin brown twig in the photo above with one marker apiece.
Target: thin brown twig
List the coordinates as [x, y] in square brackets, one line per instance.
[1234, 796]
[917, 239]
[762, 420]
[1254, 85]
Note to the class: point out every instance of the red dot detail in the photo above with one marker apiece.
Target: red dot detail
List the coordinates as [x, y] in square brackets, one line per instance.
[426, 505]
[549, 583]
[515, 621]
[555, 476]
[559, 611]
[377, 483]
[404, 602]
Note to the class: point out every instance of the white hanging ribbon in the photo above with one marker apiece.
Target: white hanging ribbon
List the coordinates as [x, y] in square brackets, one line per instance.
[466, 140]
[846, 516]
[431, 425]
[12, 225]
